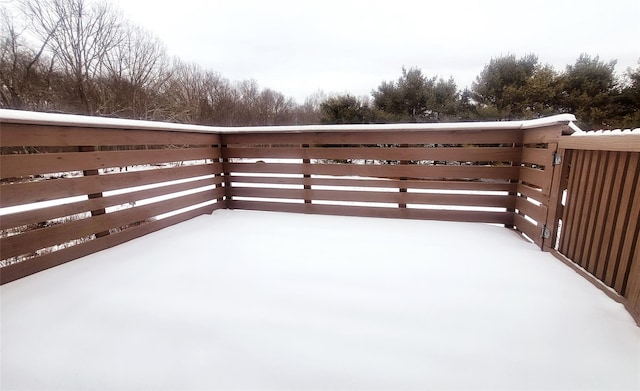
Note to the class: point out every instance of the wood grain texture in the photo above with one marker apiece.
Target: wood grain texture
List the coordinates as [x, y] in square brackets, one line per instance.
[378, 171]
[506, 136]
[366, 211]
[45, 190]
[32, 164]
[469, 154]
[381, 183]
[68, 209]
[52, 135]
[624, 143]
[30, 241]
[22, 269]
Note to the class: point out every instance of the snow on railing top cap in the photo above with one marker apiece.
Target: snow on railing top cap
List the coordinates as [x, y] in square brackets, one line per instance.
[604, 132]
[18, 116]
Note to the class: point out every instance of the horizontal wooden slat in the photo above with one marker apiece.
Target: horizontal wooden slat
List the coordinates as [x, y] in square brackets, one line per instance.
[539, 156]
[534, 193]
[38, 135]
[32, 164]
[540, 178]
[25, 193]
[18, 270]
[392, 171]
[364, 211]
[372, 196]
[536, 212]
[528, 228]
[543, 135]
[380, 153]
[384, 183]
[626, 143]
[44, 214]
[494, 136]
[45, 237]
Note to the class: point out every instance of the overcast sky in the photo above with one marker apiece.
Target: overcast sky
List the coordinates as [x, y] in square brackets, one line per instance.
[300, 47]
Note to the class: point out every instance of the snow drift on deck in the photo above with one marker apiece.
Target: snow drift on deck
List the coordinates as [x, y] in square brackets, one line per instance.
[257, 300]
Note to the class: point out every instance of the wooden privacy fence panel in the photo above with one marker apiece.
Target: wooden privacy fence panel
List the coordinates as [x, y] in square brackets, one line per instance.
[68, 191]
[600, 223]
[446, 175]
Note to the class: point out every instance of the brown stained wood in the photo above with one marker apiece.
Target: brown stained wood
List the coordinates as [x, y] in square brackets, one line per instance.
[44, 214]
[631, 245]
[558, 184]
[327, 195]
[629, 231]
[608, 209]
[536, 212]
[32, 164]
[22, 269]
[25, 193]
[497, 201]
[36, 239]
[531, 192]
[469, 154]
[577, 207]
[616, 220]
[588, 183]
[623, 143]
[41, 136]
[502, 136]
[570, 212]
[594, 217]
[382, 183]
[366, 211]
[547, 134]
[539, 178]
[380, 171]
[632, 292]
[528, 228]
[388, 197]
[539, 156]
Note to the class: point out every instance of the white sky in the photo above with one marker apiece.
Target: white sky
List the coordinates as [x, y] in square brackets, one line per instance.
[299, 47]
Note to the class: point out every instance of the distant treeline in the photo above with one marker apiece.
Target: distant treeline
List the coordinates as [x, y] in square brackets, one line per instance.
[76, 56]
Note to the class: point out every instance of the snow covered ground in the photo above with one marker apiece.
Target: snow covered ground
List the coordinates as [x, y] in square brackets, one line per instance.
[258, 300]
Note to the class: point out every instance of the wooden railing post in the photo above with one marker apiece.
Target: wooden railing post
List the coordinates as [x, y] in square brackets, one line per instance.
[558, 187]
[228, 193]
[307, 177]
[96, 212]
[403, 189]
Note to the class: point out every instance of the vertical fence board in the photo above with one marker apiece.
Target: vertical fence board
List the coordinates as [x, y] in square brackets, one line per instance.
[617, 230]
[607, 211]
[594, 216]
[575, 200]
[628, 233]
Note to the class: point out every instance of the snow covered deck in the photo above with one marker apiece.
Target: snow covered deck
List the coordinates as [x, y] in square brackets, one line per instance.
[262, 300]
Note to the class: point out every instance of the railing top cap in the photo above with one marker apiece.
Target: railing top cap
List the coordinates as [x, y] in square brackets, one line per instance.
[30, 117]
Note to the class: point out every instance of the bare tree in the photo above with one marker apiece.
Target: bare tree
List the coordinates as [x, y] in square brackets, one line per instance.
[22, 69]
[136, 70]
[80, 36]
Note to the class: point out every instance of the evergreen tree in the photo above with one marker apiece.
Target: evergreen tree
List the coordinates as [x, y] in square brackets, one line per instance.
[345, 109]
[511, 88]
[416, 98]
[589, 90]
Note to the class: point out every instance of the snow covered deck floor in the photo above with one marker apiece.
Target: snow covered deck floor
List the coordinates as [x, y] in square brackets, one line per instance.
[258, 300]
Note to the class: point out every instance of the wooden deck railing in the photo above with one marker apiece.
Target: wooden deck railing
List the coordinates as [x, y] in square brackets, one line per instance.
[92, 189]
[97, 183]
[598, 224]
